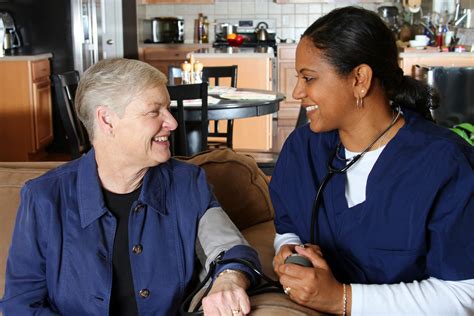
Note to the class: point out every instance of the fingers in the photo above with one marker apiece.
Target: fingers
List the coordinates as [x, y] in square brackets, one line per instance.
[280, 257]
[314, 254]
[228, 302]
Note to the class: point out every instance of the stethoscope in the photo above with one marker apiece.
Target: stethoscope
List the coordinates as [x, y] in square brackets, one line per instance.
[333, 170]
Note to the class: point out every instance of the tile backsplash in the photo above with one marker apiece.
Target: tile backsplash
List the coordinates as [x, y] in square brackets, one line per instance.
[291, 19]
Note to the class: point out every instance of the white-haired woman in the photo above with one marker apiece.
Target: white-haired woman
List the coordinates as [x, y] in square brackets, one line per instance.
[116, 232]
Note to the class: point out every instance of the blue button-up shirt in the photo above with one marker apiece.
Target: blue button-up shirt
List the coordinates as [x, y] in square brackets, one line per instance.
[60, 260]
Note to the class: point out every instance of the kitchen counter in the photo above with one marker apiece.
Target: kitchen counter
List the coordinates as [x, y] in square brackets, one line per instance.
[422, 54]
[25, 57]
[408, 60]
[175, 45]
[236, 52]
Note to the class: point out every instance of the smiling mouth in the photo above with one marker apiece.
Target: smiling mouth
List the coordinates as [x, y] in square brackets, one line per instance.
[160, 139]
[312, 108]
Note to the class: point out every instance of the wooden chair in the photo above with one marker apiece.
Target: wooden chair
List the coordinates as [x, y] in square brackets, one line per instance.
[65, 86]
[181, 144]
[217, 73]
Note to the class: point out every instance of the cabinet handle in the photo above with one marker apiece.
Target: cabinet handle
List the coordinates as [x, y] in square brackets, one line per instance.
[110, 42]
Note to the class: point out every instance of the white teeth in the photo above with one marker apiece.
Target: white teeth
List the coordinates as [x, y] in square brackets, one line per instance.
[160, 138]
[312, 108]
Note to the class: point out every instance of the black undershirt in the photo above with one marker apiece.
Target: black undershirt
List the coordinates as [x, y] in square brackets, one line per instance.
[122, 299]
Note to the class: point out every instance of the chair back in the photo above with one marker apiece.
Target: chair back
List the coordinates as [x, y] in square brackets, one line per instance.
[220, 72]
[65, 86]
[180, 93]
[174, 73]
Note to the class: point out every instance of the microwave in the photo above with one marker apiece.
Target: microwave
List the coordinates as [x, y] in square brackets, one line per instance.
[167, 30]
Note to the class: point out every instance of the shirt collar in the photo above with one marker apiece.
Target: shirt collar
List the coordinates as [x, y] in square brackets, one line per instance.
[91, 201]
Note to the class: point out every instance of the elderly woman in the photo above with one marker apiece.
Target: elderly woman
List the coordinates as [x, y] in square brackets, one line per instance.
[388, 193]
[116, 232]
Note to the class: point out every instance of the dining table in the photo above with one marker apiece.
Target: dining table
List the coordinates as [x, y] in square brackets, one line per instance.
[227, 104]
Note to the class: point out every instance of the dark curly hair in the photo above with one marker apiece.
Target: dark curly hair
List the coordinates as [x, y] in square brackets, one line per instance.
[351, 36]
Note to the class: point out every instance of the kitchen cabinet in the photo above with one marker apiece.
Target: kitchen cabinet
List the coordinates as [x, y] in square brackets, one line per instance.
[175, 1]
[408, 60]
[254, 72]
[163, 55]
[25, 109]
[289, 108]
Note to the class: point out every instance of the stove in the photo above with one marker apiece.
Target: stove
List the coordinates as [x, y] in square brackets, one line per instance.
[245, 28]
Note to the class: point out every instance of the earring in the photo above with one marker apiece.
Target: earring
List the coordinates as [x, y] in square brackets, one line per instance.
[360, 102]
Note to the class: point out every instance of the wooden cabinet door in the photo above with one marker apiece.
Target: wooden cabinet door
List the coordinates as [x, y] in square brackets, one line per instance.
[289, 109]
[42, 116]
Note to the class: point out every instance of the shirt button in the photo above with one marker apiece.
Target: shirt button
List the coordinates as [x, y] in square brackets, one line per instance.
[138, 208]
[144, 293]
[137, 249]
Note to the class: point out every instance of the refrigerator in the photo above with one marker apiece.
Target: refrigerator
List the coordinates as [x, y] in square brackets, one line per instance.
[77, 32]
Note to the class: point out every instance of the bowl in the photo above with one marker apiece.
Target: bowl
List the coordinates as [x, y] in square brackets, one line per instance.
[418, 44]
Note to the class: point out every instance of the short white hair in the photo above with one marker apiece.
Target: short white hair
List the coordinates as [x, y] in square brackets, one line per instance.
[113, 83]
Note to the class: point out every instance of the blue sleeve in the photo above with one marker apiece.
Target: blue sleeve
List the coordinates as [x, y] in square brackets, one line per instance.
[241, 252]
[283, 222]
[26, 291]
[450, 228]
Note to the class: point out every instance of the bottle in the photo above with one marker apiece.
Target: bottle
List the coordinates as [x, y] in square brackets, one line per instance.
[440, 37]
[205, 31]
[200, 27]
[197, 67]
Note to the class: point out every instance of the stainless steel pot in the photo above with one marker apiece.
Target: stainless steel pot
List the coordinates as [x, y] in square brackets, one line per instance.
[228, 29]
[261, 30]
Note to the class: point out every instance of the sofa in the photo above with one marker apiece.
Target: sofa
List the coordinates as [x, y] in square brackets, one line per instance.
[239, 185]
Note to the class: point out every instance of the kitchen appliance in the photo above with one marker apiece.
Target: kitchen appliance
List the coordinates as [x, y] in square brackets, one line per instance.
[166, 29]
[2, 36]
[257, 33]
[390, 15]
[261, 30]
[454, 86]
[11, 38]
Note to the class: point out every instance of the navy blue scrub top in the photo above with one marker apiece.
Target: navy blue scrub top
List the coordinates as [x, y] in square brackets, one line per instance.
[418, 217]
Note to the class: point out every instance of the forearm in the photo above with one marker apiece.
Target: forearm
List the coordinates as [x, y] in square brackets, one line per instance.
[432, 296]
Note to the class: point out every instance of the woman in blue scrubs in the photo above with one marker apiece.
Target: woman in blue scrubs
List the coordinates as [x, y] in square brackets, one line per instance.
[380, 196]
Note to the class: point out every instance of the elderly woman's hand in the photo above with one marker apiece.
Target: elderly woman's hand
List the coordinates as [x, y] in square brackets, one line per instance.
[313, 287]
[227, 295]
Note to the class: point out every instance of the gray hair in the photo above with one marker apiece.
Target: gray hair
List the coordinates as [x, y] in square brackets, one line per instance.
[113, 83]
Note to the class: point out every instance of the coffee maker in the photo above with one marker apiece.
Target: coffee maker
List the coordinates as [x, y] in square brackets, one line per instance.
[9, 35]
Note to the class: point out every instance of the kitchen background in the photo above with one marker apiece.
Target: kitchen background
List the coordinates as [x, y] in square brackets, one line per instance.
[291, 19]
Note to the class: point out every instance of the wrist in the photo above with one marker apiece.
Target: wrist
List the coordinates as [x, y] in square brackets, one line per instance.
[235, 276]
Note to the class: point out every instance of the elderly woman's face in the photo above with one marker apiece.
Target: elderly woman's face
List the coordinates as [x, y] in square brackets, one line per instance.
[144, 130]
[324, 94]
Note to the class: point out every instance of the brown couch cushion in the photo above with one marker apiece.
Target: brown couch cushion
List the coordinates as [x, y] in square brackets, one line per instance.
[239, 185]
[12, 178]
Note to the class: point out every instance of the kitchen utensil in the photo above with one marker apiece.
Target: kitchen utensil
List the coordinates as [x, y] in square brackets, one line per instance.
[261, 30]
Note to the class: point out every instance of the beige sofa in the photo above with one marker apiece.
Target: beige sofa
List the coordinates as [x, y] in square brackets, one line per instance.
[240, 187]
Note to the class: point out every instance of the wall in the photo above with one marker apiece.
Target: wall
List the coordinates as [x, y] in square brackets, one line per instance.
[291, 19]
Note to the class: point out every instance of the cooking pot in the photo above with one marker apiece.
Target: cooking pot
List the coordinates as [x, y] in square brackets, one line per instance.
[261, 30]
[228, 29]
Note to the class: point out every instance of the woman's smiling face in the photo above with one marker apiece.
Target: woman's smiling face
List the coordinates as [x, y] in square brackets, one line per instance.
[326, 95]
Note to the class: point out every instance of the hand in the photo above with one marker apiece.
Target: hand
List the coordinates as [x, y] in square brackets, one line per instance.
[280, 257]
[313, 287]
[228, 296]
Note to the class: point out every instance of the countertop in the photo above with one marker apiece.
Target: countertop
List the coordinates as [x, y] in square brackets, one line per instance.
[25, 55]
[236, 52]
[421, 54]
